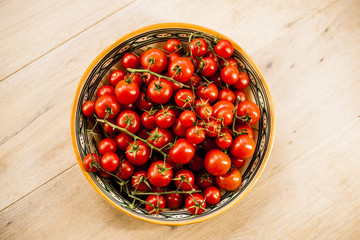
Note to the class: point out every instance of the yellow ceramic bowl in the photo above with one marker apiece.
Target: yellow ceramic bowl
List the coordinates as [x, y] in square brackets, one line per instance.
[100, 69]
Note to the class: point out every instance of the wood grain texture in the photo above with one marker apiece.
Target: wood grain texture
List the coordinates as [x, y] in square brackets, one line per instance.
[309, 55]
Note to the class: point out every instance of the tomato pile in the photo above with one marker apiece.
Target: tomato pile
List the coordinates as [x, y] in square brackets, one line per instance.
[177, 125]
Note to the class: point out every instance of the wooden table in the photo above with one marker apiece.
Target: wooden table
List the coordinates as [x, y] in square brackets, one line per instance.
[309, 53]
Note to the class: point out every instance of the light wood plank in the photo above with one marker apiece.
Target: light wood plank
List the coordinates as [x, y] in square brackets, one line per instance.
[41, 104]
[30, 29]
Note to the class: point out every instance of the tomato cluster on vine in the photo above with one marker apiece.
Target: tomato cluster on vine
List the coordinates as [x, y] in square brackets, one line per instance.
[177, 125]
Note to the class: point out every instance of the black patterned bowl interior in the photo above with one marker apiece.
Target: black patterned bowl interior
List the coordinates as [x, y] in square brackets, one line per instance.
[109, 59]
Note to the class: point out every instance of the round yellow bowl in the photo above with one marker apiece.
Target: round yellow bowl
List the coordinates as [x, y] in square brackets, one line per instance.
[157, 34]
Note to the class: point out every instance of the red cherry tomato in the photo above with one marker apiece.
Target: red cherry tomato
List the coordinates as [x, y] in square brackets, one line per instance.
[88, 108]
[212, 128]
[159, 137]
[109, 129]
[229, 181]
[89, 159]
[165, 118]
[160, 91]
[212, 195]
[182, 151]
[199, 103]
[134, 77]
[154, 59]
[196, 163]
[181, 69]
[127, 91]
[245, 129]
[195, 203]
[138, 153]
[138, 179]
[240, 94]
[195, 81]
[130, 120]
[184, 180]
[125, 170]
[243, 81]
[173, 56]
[173, 200]
[123, 140]
[210, 54]
[130, 60]
[116, 76]
[208, 66]
[205, 112]
[208, 92]
[224, 48]
[178, 129]
[243, 147]
[248, 112]
[173, 45]
[225, 116]
[110, 161]
[226, 95]
[198, 47]
[228, 62]
[230, 74]
[195, 134]
[237, 162]
[222, 104]
[205, 179]
[157, 202]
[187, 118]
[106, 89]
[147, 78]
[105, 101]
[224, 141]
[217, 163]
[143, 102]
[107, 145]
[160, 174]
[148, 120]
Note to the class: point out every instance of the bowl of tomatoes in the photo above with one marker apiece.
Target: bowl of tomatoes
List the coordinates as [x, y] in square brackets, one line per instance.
[173, 123]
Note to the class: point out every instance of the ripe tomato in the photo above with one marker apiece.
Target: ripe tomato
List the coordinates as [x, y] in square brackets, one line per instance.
[116, 76]
[159, 137]
[195, 203]
[229, 181]
[160, 91]
[123, 140]
[157, 202]
[248, 112]
[148, 120]
[172, 57]
[243, 81]
[130, 60]
[196, 163]
[245, 129]
[240, 94]
[142, 133]
[173, 200]
[210, 54]
[130, 106]
[138, 180]
[195, 81]
[208, 144]
[178, 129]
[182, 151]
[195, 134]
[222, 104]
[243, 147]
[160, 174]
[88, 108]
[208, 92]
[134, 77]
[130, 120]
[199, 103]
[237, 162]
[127, 91]
[212, 195]
[154, 59]
[107, 145]
[224, 48]
[205, 112]
[212, 128]
[125, 170]
[205, 179]
[143, 102]
[230, 74]
[226, 95]
[216, 79]
[109, 129]
[165, 118]
[89, 159]
[110, 161]
[187, 118]
[217, 163]
[208, 66]
[104, 174]
[184, 180]
[181, 69]
[225, 116]
[198, 47]
[173, 45]
[147, 78]
[138, 153]
[103, 102]
[184, 98]
[224, 141]
[106, 89]
[228, 62]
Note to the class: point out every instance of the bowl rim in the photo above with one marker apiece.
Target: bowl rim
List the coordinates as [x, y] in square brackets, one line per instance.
[154, 27]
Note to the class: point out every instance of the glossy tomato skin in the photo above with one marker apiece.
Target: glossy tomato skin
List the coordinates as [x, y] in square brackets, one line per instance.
[209, 92]
[229, 181]
[225, 116]
[228, 62]
[156, 57]
[160, 91]
[212, 128]
[125, 170]
[122, 141]
[137, 153]
[158, 201]
[159, 137]
[88, 108]
[226, 95]
[250, 109]
[245, 129]
[195, 134]
[182, 151]
[130, 60]
[224, 141]
[116, 76]
[107, 145]
[102, 103]
[135, 181]
[184, 98]
[173, 45]
[224, 48]
[243, 81]
[173, 200]
[185, 180]
[181, 69]
[130, 120]
[187, 118]
[134, 77]
[148, 120]
[106, 89]
[172, 57]
[230, 74]
[88, 159]
[143, 102]
[217, 163]
[209, 66]
[110, 161]
[212, 195]
[205, 179]
[109, 129]
[196, 163]
[193, 200]
[241, 94]
[216, 79]
[210, 54]
[127, 92]
[165, 118]
[146, 78]
[243, 147]
[195, 81]
[237, 162]
[198, 47]
[178, 129]
[160, 174]
[222, 104]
